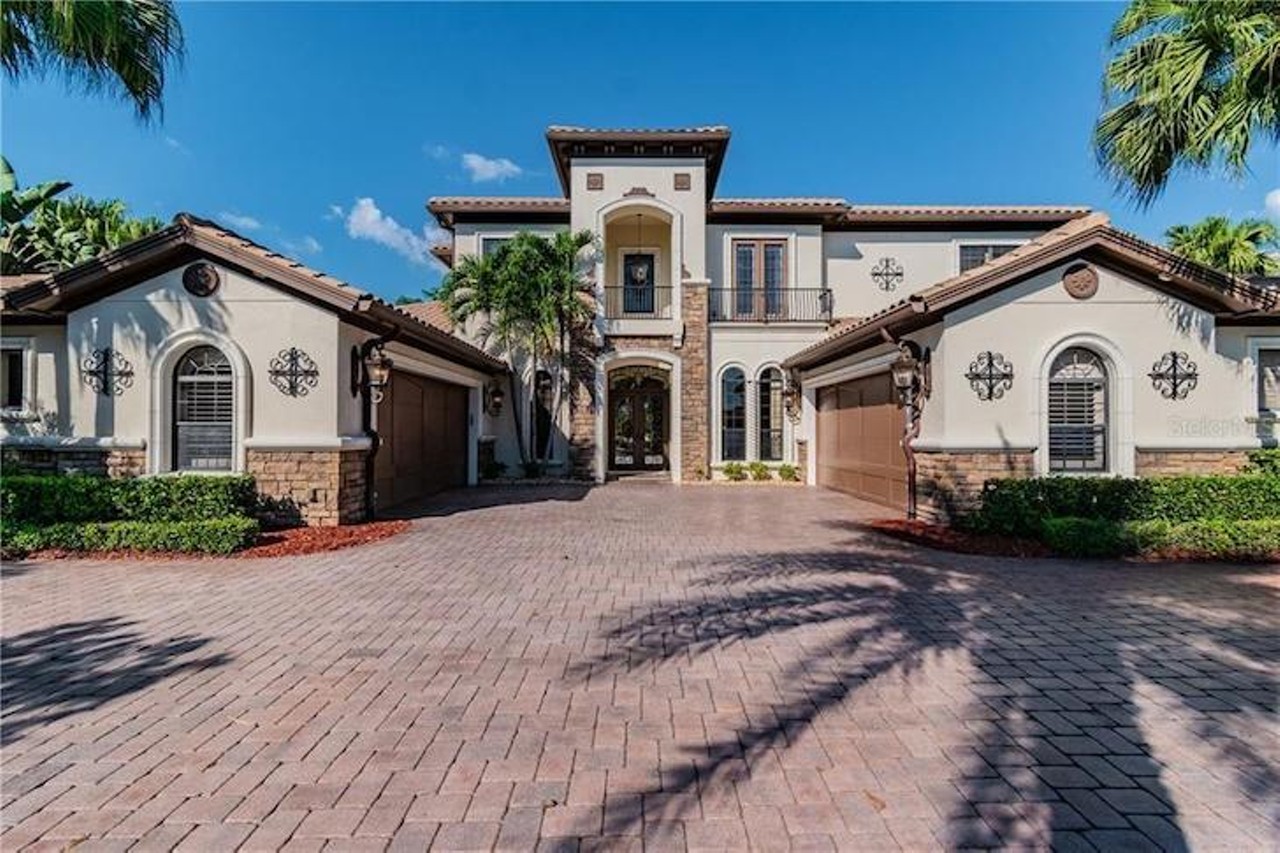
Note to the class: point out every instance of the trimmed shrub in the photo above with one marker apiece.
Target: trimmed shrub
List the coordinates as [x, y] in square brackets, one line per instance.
[760, 471]
[788, 473]
[211, 536]
[1226, 540]
[1085, 537]
[1264, 462]
[1018, 507]
[41, 500]
[735, 472]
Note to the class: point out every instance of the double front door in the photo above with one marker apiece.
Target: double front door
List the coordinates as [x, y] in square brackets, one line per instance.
[639, 420]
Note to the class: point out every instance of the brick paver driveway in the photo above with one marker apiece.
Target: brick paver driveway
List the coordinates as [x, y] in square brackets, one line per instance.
[703, 667]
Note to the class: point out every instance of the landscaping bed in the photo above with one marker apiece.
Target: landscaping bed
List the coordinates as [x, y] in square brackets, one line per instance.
[1198, 517]
[156, 517]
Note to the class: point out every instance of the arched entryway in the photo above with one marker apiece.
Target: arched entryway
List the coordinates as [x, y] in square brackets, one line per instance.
[639, 427]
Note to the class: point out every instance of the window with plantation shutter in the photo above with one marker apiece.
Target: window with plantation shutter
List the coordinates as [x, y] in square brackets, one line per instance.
[1078, 412]
[1269, 380]
[203, 415]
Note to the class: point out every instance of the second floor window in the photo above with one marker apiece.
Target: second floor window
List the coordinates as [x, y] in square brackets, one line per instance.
[976, 255]
[490, 245]
[759, 275]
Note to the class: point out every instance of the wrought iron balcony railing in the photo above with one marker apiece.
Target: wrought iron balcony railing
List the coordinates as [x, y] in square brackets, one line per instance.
[758, 305]
[639, 303]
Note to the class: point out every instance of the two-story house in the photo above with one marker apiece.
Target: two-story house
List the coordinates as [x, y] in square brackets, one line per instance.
[744, 329]
[887, 351]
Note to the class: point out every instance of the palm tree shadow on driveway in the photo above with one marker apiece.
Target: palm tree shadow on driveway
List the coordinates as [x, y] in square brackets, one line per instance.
[1041, 734]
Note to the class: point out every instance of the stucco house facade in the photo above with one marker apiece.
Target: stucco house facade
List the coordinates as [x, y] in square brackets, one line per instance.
[1039, 340]
[196, 349]
[765, 329]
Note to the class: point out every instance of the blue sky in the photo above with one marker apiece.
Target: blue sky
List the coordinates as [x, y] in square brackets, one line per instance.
[321, 129]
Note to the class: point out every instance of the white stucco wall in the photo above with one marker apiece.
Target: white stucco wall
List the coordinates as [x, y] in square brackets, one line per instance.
[249, 320]
[46, 407]
[926, 257]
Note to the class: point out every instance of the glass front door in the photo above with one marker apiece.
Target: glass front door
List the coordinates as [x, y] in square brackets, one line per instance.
[638, 422]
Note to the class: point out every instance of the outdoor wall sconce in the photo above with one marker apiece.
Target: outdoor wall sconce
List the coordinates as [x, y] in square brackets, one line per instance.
[377, 372]
[911, 384]
[493, 400]
[791, 400]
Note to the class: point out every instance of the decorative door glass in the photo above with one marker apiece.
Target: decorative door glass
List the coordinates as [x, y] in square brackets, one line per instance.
[637, 285]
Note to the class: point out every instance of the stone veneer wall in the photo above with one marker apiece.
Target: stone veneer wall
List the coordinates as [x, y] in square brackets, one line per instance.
[94, 461]
[695, 399]
[322, 488]
[802, 459]
[949, 484]
[1155, 463]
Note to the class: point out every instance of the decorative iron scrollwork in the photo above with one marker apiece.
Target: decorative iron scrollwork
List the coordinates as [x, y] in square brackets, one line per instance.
[1175, 375]
[887, 274]
[107, 372]
[293, 372]
[990, 375]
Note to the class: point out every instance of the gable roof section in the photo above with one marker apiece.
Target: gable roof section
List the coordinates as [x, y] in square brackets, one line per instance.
[431, 312]
[191, 238]
[1090, 236]
[709, 142]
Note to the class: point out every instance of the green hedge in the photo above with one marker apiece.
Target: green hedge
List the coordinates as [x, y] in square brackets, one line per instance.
[1213, 538]
[1020, 507]
[1265, 461]
[40, 500]
[211, 536]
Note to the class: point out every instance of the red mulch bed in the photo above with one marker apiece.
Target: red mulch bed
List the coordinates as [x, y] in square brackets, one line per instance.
[949, 539]
[315, 540]
[291, 542]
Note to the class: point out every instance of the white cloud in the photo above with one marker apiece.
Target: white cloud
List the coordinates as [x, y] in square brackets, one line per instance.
[1273, 204]
[436, 152]
[335, 212]
[238, 221]
[176, 145]
[483, 168]
[367, 222]
[306, 245]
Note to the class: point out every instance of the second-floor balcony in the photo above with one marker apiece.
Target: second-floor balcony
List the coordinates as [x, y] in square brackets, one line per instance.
[773, 305]
[637, 303]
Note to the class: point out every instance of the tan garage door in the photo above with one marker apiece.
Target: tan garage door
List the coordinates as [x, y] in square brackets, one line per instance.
[860, 441]
[423, 424]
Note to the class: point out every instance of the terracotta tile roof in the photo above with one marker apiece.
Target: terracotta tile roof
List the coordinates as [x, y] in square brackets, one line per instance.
[431, 312]
[868, 214]
[446, 208]
[577, 130]
[706, 142]
[1189, 279]
[81, 283]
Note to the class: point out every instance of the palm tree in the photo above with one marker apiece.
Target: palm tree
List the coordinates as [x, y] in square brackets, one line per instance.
[64, 233]
[17, 254]
[1239, 248]
[1191, 85]
[120, 47]
[532, 302]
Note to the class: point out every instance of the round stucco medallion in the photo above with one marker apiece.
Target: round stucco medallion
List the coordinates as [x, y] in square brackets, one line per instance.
[1080, 280]
[200, 279]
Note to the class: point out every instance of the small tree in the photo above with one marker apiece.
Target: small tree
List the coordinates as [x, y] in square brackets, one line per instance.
[1239, 248]
[17, 255]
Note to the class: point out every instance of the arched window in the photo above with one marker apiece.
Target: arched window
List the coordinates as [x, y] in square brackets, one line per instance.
[770, 415]
[203, 411]
[733, 415]
[1078, 412]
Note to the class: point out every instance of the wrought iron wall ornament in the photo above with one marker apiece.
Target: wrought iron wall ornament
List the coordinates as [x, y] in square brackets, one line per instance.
[293, 372]
[201, 279]
[107, 372]
[1174, 375]
[887, 274]
[990, 375]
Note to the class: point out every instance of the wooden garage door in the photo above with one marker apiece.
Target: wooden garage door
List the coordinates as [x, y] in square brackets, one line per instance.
[423, 424]
[860, 441]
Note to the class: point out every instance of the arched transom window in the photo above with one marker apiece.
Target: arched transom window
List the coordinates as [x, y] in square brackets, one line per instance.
[733, 415]
[769, 407]
[203, 411]
[1078, 412]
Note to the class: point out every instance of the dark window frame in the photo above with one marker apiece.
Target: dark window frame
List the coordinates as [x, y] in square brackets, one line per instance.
[733, 420]
[181, 397]
[1076, 428]
[744, 299]
[769, 411]
[990, 252]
